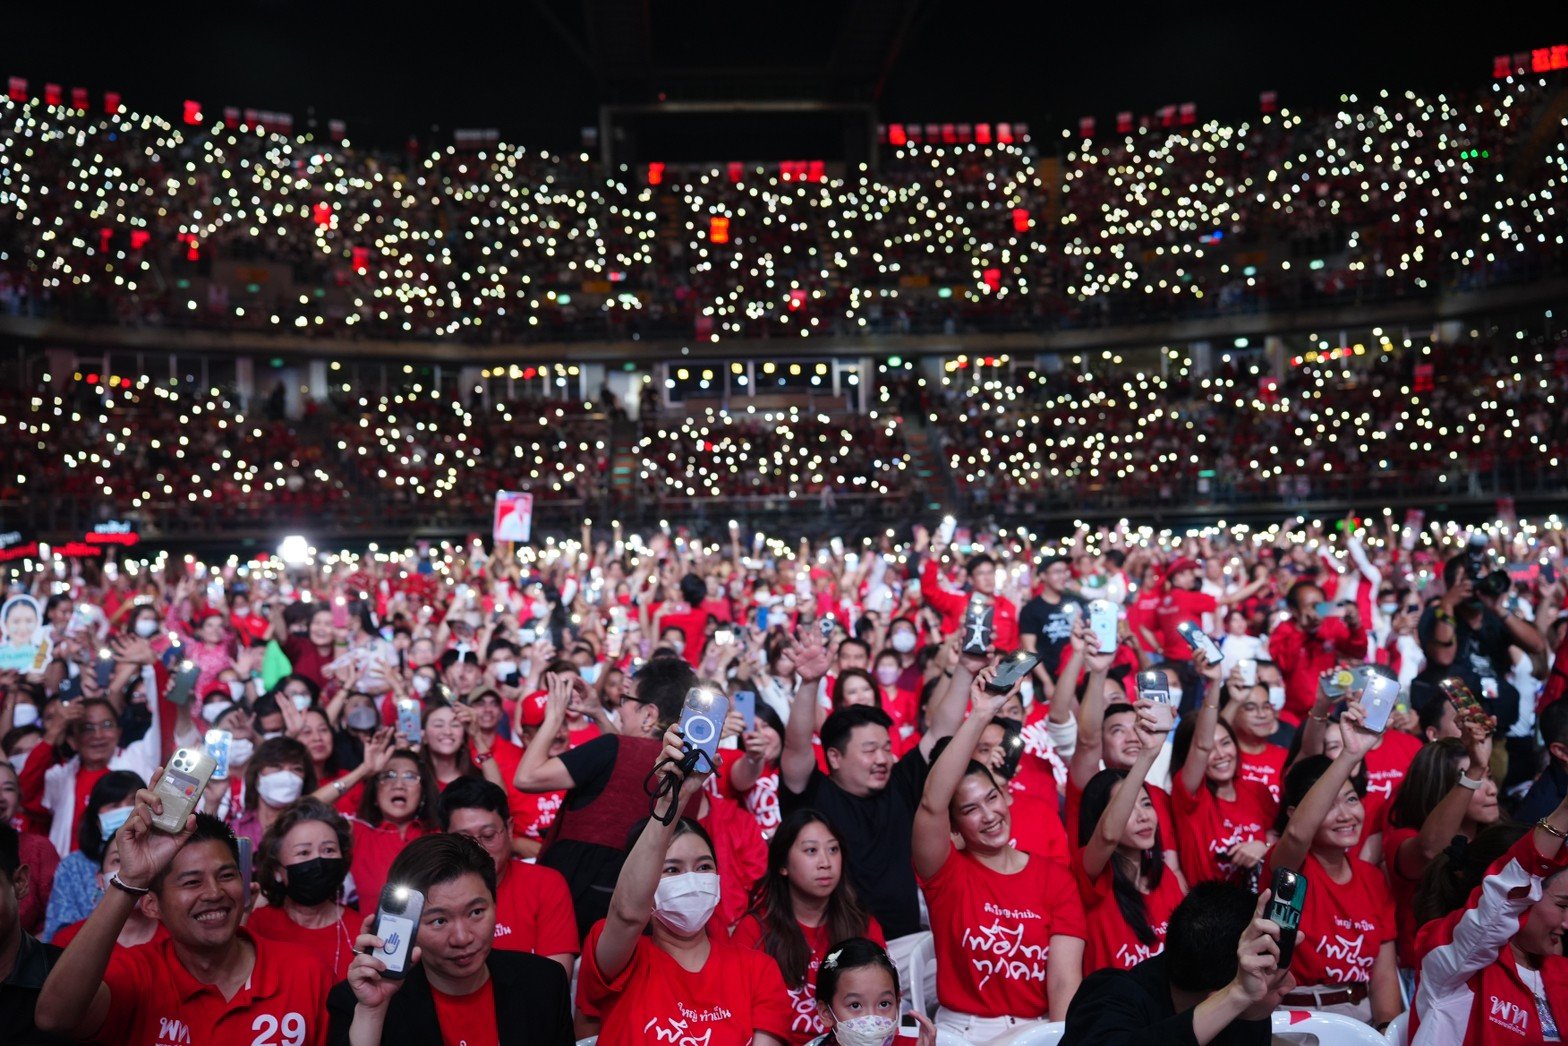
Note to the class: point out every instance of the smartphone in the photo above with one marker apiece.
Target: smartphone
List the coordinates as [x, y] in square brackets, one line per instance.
[979, 626]
[408, 720]
[218, 742]
[1199, 641]
[724, 637]
[180, 787]
[702, 723]
[105, 668]
[397, 924]
[1154, 686]
[945, 531]
[1460, 697]
[1339, 682]
[826, 626]
[1102, 619]
[746, 704]
[908, 1027]
[1548, 572]
[183, 683]
[1012, 747]
[1012, 668]
[1290, 894]
[1378, 698]
[1249, 671]
[247, 862]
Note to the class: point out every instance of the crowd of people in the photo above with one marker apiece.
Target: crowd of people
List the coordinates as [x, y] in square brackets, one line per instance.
[129, 218]
[961, 776]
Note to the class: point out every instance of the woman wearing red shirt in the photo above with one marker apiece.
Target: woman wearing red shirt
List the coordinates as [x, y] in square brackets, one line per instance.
[1008, 927]
[800, 908]
[445, 751]
[902, 706]
[1128, 893]
[1344, 959]
[1446, 794]
[300, 868]
[397, 809]
[1221, 821]
[671, 978]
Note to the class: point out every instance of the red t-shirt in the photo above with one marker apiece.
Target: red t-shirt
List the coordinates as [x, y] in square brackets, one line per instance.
[66, 934]
[533, 911]
[1110, 941]
[1207, 827]
[993, 933]
[1266, 768]
[762, 801]
[737, 993]
[533, 812]
[1037, 827]
[307, 659]
[1179, 605]
[332, 945]
[803, 999]
[374, 849]
[1162, 811]
[1342, 924]
[694, 626]
[85, 779]
[154, 1000]
[467, 1020]
[1401, 891]
[1386, 766]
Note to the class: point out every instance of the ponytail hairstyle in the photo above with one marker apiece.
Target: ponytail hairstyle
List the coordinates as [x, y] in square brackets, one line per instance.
[1455, 873]
[1124, 883]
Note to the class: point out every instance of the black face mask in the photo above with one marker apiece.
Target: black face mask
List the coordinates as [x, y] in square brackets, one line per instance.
[314, 881]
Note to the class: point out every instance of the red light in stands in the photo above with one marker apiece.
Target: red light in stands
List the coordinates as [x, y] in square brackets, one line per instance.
[992, 278]
[718, 229]
[92, 379]
[736, 172]
[1548, 59]
[965, 134]
[104, 236]
[323, 214]
[530, 373]
[1268, 101]
[815, 171]
[797, 300]
[231, 116]
[79, 98]
[361, 260]
[949, 134]
[1188, 114]
[1124, 122]
[982, 134]
[656, 173]
[1020, 220]
[16, 87]
[1004, 133]
[51, 94]
[192, 112]
[896, 135]
[139, 238]
[1086, 127]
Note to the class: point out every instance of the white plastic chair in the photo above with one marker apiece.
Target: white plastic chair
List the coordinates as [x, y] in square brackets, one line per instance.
[918, 969]
[1326, 1029]
[1398, 1030]
[1033, 1035]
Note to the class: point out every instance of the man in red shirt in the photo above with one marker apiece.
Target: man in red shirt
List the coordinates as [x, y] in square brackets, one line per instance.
[533, 907]
[210, 982]
[981, 570]
[1183, 602]
[1308, 644]
[690, 616]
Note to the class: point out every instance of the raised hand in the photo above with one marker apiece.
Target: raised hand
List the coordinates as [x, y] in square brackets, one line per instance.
[372, 990]
[810, 655]
[144, 850]
[1358, 739]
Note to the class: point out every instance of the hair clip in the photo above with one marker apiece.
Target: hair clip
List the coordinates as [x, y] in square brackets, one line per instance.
[832, 959]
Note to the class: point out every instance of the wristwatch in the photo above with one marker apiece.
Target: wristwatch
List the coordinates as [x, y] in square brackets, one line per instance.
[120, 884]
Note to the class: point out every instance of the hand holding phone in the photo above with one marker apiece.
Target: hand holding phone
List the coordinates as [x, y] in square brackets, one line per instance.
[1012, 669]
[397, 924]
[1154, 687]
[746, 705]
[1284, 908]
[180, 787]
[702, 724]
[1102, 621]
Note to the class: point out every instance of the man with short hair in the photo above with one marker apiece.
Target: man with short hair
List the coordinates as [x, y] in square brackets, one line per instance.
[1308, 644]
[1046, 623]
[24, 961]
[210, 982]
[981, 572]
[1549, 789]
[461, 989]
[533, 908]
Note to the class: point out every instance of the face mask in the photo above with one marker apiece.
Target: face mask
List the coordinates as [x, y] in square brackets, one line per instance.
[903, 642]
[240, 610]
[280, 788]
[503, 669]
[870, 1030]
[525, 667]
[18, 761]
[683, 903]
[24, 714]
[1277, 697]
[421, 686]
[1388, 609]
[146, 627]
[237, 689]
[111, 821]
[678, 645]
[887, 675]
[240, 751]
[1026, 691]
[362, 717]
[539, 608]
[269, 735]
[315, 881]
[590, 673]
[301, 701]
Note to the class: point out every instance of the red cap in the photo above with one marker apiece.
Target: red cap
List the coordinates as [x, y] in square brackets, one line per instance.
[1179, 564]
[533, 708]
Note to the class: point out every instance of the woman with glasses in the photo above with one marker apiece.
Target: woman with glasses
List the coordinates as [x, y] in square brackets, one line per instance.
[392, 814]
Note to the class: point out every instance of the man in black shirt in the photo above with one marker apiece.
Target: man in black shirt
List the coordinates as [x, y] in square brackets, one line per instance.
[1217, 981]
[24, 961]
[1046, 621]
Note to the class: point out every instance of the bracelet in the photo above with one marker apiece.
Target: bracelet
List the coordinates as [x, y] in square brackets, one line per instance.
[1472, 783]
[1318, 718]
[339, 787]
[1544, 826]
[120, 884]
[1444, 617]
[483, 757]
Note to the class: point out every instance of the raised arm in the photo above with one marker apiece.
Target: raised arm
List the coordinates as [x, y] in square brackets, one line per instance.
[1197, 764]
[538, 770]
[1308, 817]
[1102, 844]
[1442, 824]
[933, 839]
[796, 762]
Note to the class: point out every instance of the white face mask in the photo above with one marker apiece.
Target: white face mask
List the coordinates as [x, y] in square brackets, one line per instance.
[684, 902]
[903, 642]
[503, 669]
[1388, 609]
[18, 761]
[280, 788]
[590, 673]
[421, 684]
[146, 627]
[24, 714]
[887, 675]
[237, 689]
[240, 751]
[1277, 697]
[1026, 692]
[870, 1030]
[677, 644]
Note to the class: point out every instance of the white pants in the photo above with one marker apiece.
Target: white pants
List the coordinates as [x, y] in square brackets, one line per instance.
[980, 1030]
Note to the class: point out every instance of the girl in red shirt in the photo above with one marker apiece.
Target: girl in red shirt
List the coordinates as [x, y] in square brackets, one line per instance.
[1344, 958]
[1221, 820]
[801, 907]
[1128, 893]
[860, 998]
[300, 868]
[669, 978]
[1008, 928]
[1447, 793]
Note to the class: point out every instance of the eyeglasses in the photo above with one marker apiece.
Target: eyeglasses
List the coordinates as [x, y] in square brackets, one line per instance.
[484, 838]
[103, 727]
[393, 776]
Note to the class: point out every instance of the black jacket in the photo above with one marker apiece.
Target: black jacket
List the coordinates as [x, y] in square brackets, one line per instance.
[532, 1005]
[1134, 1008]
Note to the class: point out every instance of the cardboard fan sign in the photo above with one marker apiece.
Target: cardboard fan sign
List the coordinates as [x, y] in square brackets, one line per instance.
[514, 515]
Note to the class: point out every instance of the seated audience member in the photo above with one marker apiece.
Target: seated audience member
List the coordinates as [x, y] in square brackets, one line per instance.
[1218, 980]
[300, 868]
[533, 908]
[211, 978]
[139, 927]
[1547, 793]
[1128, 892]
[77, 886]
[459, 987]
[38, 853]
[988, 893]
[653, 981]
[859, 1001]
[397, 808]
[800, 908]
[25, 961]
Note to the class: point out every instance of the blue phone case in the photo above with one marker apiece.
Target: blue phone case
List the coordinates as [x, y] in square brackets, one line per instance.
[746, 705]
